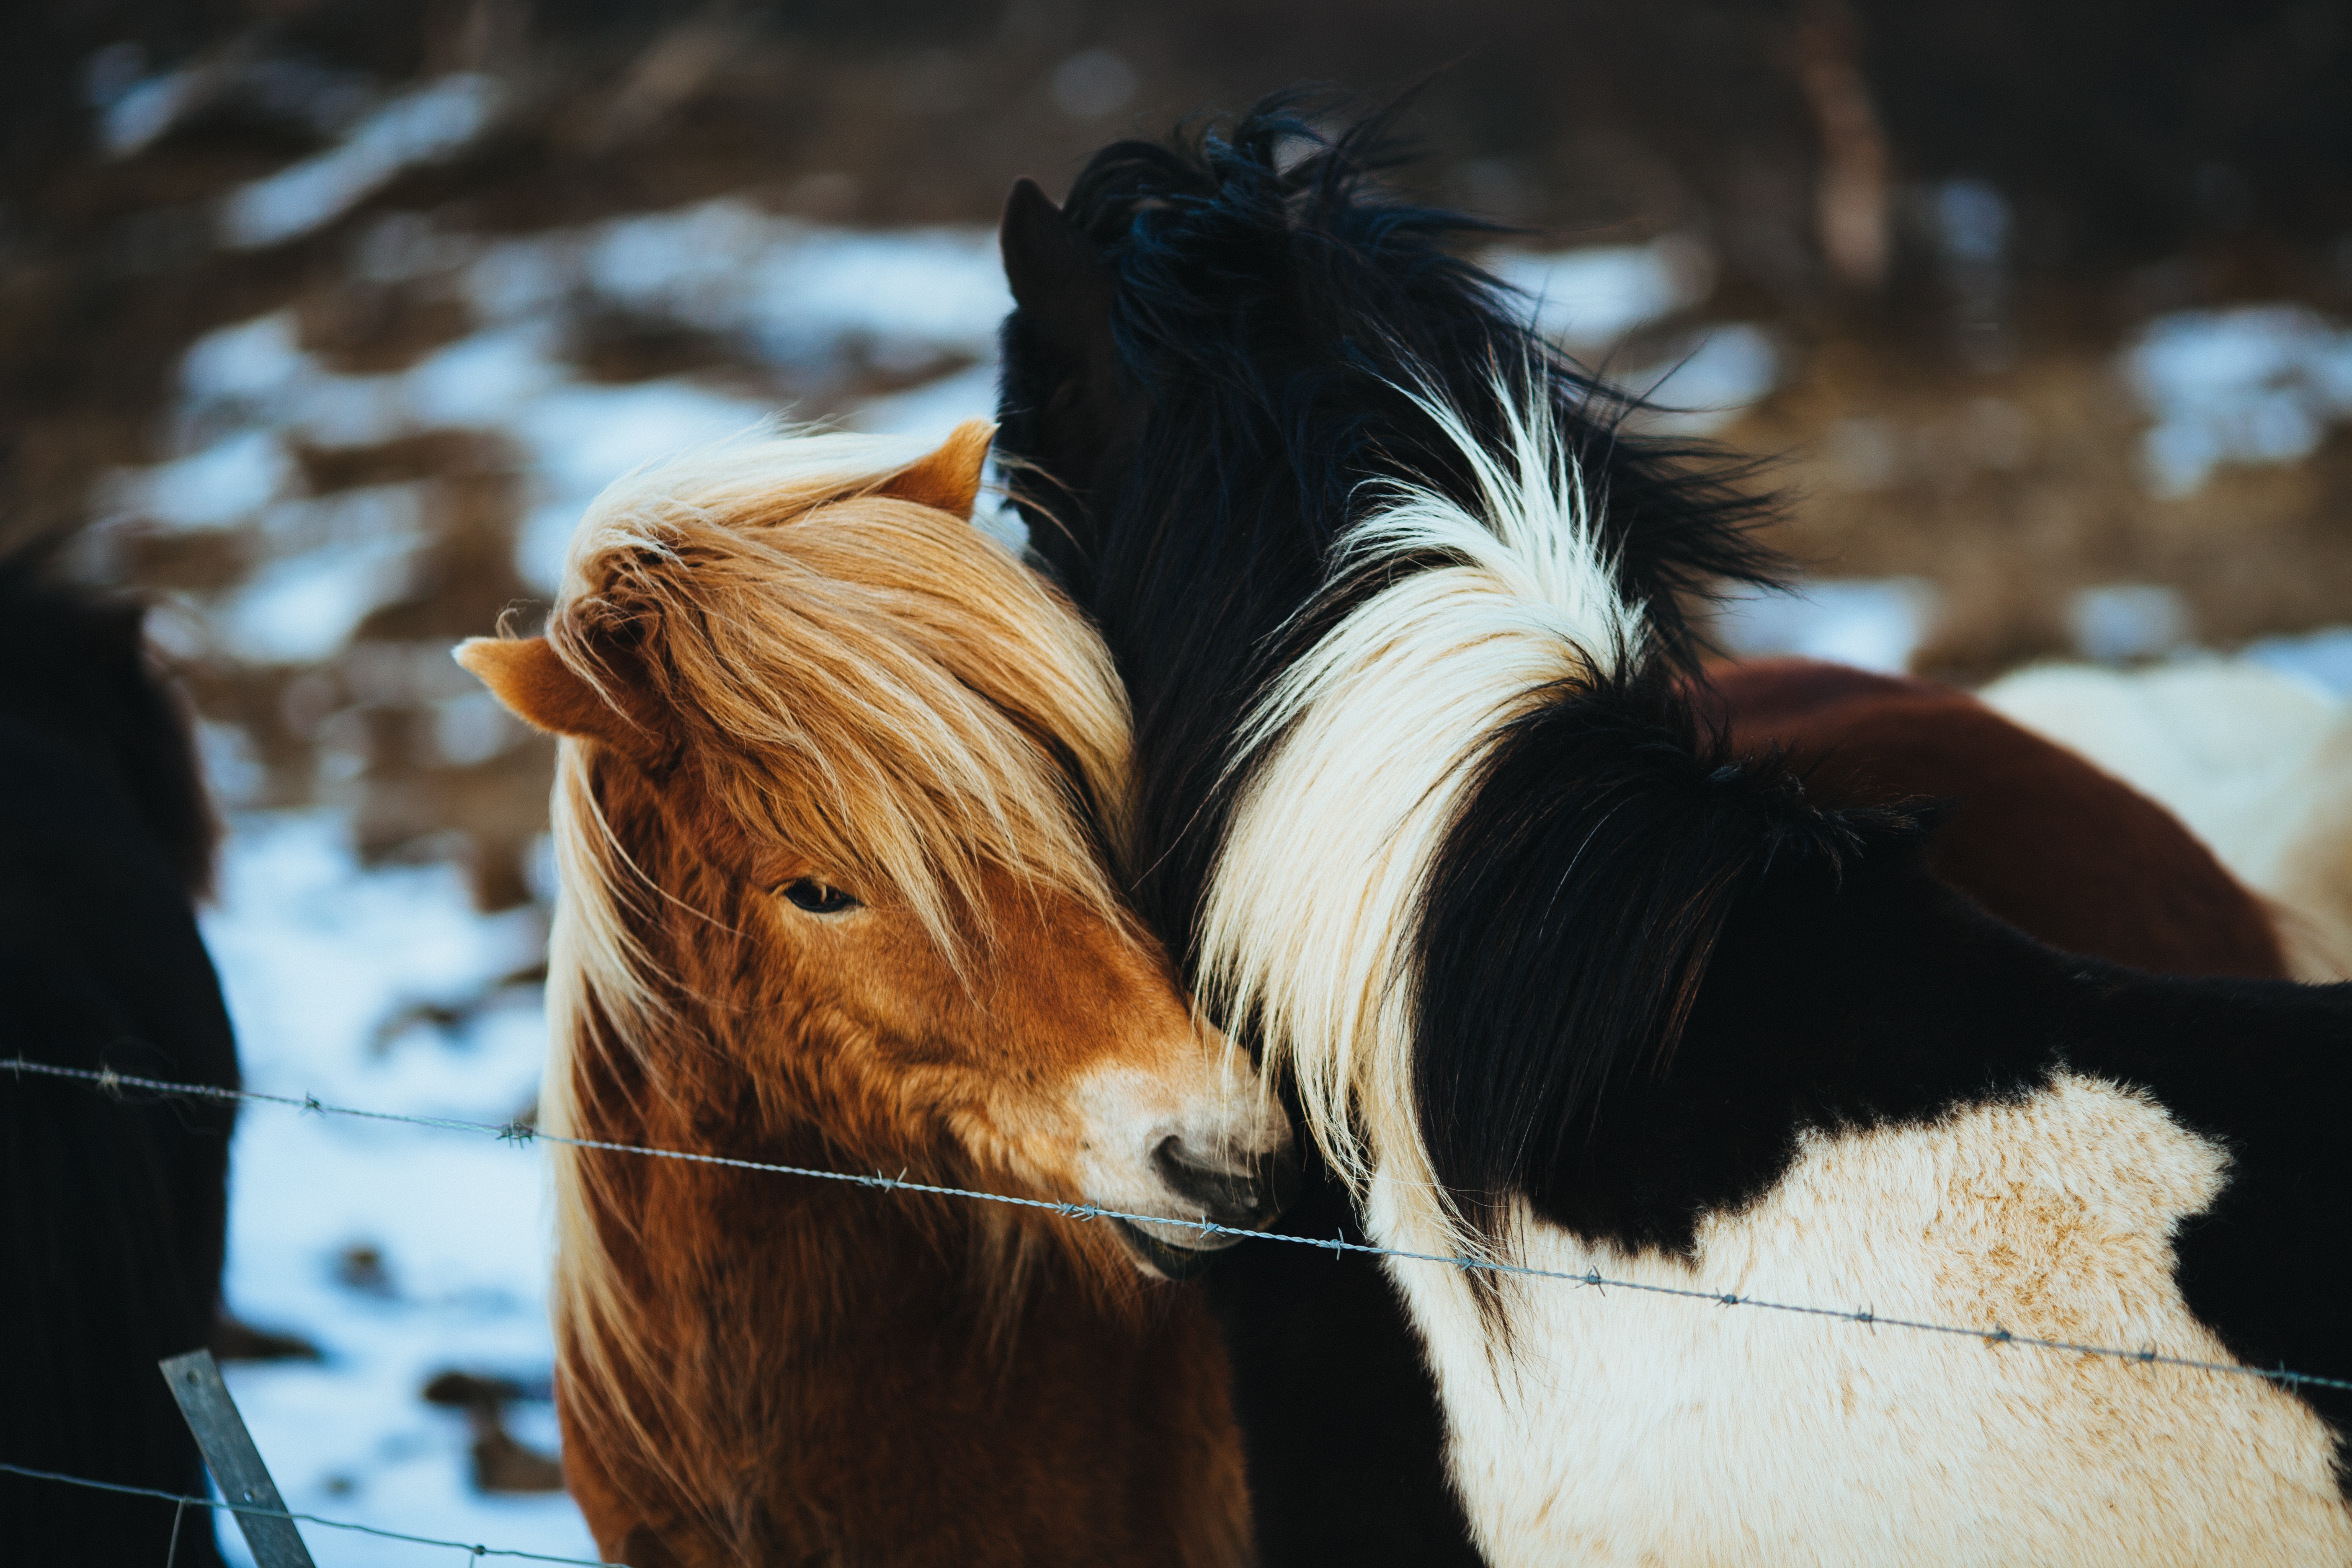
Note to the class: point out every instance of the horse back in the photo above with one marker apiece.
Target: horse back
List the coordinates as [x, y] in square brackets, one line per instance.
[2039, 836]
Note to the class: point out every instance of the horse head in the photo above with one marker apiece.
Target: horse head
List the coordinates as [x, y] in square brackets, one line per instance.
[841, 788]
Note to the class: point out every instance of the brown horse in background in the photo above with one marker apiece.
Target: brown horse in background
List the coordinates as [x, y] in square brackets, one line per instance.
[2255, 763]
[839, 788]
[2037, 835]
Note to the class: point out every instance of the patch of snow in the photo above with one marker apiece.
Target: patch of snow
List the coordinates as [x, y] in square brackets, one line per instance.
[1589, 298]
[1730, 368]
[140, 113]
[316, 955]
[792, 288]
[1971, 222]
[245, 364]
[234, 775]
[472, 727]
[429, 122]
[2128, 620]
[2321, 660]
[2257, 384]
[934, 409]
[485, 379]
[1869, 623]
[936, 288]
[225, 483]
[357, 555]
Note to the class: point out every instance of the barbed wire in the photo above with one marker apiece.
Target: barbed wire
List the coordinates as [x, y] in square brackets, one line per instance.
[522, 1133]
[186, 1499]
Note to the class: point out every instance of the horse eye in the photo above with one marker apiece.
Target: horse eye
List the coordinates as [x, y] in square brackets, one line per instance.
[818, 898]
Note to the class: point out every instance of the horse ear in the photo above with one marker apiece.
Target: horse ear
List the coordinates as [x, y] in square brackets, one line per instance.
[1057, 279]
[948, 478]
[543, 691]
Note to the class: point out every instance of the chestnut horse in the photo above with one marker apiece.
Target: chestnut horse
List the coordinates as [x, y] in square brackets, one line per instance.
[838, 791]
[1568, 980]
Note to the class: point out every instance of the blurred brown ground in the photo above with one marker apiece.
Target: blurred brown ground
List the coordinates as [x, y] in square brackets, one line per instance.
[2153, 157]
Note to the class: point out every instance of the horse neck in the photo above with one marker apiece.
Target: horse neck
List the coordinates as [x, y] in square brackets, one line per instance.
[823, 1346]
[798, 1227]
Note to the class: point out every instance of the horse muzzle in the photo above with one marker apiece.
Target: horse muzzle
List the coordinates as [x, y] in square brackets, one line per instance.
[1249, 1193]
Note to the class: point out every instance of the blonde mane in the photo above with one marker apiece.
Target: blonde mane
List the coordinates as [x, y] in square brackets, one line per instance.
[830, 666]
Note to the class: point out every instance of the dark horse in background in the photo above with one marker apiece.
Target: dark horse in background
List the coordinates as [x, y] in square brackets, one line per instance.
[1210, 356]
[117, 1204]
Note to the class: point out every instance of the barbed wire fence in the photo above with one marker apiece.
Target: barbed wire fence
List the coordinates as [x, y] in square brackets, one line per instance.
[189, 1500]
[521, 1134]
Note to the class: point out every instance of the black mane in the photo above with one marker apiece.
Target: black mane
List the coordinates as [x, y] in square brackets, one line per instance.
[1201, 390]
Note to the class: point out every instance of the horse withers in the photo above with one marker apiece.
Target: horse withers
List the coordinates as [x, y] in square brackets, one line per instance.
[110, 1255]
[840, 795]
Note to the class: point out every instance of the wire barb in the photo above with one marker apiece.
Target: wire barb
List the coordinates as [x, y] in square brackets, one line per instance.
[1590, 1277]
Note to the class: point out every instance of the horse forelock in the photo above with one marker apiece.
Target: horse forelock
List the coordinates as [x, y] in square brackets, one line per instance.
[870, 680]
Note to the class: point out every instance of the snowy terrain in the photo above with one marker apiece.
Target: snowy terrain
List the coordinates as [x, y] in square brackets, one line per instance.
[317, 956]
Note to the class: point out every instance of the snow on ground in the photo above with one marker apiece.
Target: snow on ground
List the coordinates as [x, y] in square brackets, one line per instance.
[793, 292]
[2254, 384]
[2120, 621]
[1591, 298]
[430, 121]
[401, 1251]
[1872, 622]
[1715, 375]
[2321, 659]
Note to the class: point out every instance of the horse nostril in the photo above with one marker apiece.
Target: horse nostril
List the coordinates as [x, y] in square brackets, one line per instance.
[1251, 1195]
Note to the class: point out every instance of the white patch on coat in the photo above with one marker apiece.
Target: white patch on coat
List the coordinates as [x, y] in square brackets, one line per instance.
[1362, 754]
[1620, 1428]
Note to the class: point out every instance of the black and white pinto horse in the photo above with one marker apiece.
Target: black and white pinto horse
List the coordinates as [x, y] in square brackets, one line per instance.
[1561, 983]
[110, 1249]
